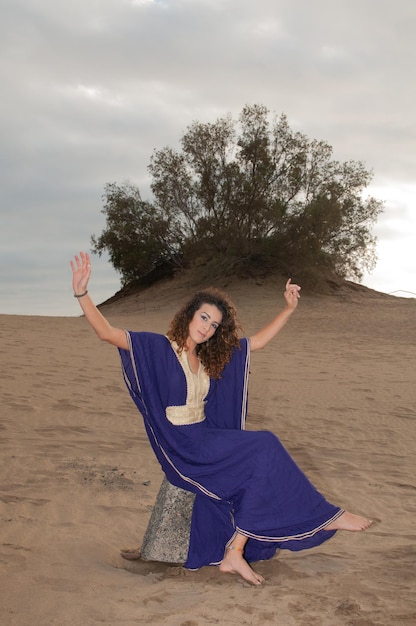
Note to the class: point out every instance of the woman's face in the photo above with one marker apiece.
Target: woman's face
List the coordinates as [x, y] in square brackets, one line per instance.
[204, 323]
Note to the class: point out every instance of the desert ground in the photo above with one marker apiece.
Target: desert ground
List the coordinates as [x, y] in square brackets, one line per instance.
[79, 479]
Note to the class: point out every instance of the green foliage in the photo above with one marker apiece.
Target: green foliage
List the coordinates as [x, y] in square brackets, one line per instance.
[243, 194]
[136, 235]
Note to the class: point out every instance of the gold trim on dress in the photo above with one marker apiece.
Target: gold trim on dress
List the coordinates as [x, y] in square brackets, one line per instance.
[197, 387]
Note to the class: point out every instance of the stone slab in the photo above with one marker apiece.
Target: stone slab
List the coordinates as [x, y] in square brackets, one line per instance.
[167, 535]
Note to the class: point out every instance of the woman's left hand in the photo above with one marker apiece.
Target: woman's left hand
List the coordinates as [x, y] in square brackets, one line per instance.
[292, 294]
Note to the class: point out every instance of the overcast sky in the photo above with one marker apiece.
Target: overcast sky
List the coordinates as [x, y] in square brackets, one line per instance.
[91, 87]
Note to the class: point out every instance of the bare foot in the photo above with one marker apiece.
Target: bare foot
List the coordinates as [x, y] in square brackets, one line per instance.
[349, 521]
[235, 563]
[130, 554]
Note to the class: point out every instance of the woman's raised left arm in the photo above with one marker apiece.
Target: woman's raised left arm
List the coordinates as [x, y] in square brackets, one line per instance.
[266, 334]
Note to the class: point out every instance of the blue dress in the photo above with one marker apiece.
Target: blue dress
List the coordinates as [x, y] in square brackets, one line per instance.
[244, 480]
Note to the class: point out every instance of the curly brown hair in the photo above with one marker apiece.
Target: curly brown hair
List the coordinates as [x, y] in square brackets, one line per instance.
[215, 353]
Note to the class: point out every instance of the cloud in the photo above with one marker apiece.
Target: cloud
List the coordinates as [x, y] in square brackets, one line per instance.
[89, 90]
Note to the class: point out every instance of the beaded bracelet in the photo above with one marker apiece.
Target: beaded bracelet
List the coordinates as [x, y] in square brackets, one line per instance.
[81, 295]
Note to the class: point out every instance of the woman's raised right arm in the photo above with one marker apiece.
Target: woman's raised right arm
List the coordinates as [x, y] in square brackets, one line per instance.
[81, 272]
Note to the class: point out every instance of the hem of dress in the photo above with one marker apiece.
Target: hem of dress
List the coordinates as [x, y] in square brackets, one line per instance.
[196, 569]
[297, 537]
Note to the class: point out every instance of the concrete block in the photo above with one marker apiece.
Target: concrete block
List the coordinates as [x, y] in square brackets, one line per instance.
[167, 535]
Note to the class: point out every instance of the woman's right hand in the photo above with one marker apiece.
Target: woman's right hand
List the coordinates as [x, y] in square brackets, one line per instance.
[81, 272]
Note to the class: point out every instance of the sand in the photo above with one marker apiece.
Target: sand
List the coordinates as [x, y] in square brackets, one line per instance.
[78, 477]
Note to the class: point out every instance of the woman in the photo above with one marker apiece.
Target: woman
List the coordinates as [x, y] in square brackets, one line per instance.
[191, 389]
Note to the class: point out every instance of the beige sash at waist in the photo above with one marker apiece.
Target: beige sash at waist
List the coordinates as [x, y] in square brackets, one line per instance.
[182, 415]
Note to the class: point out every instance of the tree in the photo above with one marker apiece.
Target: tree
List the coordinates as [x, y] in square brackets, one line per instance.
[137, 235]
[245, 193]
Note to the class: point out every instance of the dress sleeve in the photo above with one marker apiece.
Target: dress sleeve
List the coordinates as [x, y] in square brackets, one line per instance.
[227, 400]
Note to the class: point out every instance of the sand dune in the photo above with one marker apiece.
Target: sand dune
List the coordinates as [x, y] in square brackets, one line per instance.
[78, 477]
